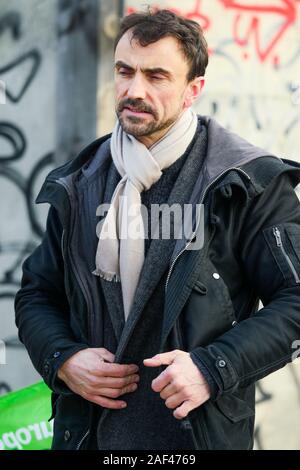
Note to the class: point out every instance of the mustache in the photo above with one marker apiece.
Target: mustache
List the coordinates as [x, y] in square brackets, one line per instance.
[136, 105]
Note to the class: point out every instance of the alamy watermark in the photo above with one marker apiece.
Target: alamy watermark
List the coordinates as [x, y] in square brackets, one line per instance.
[166, 222]
[2, 353]
[2, 92]
[296, 353]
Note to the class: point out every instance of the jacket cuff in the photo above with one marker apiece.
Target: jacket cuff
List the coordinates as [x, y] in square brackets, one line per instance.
[218, 366]
[53, 362]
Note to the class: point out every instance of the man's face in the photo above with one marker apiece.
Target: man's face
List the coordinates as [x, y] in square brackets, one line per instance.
[151, 87]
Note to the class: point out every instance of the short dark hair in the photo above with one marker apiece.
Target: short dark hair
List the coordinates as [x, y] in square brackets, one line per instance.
[152, 25]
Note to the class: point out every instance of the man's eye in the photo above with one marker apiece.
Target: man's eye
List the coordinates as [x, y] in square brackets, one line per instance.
[156, 77]
[124, 72]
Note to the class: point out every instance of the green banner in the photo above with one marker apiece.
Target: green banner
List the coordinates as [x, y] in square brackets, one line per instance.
[24, 418]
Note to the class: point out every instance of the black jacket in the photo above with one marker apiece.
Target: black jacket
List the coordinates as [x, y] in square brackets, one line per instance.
[251, 251]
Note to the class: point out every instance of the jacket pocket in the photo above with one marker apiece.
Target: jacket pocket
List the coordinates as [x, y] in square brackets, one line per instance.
[71, 423]
[234, 408]
[208, 312]
[200, 288]
[224, 424]
[284, 243]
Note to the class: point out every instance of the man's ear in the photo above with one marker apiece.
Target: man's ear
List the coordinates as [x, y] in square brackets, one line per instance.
[193, 91]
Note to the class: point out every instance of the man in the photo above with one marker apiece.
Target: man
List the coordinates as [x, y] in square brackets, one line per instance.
[157, 343]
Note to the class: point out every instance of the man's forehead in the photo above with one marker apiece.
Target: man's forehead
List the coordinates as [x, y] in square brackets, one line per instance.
[164, 52]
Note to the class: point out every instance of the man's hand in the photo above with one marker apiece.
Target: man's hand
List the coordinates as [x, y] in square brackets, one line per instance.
[181, 384]
[87, 374]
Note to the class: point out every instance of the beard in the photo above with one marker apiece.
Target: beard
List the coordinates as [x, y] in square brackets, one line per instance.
[141, 126]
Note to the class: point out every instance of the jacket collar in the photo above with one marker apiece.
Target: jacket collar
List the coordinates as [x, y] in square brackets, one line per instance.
[81, 163]
[230, 160]
[225, 150]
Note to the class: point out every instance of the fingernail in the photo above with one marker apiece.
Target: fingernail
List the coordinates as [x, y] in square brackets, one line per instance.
[123, 405]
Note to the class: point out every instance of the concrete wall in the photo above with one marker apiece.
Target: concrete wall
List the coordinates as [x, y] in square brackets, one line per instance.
[48, 86]
[27, 139]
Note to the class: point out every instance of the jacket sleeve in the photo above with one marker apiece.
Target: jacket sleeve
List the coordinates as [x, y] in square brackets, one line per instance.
[42, 309]
[269, 246]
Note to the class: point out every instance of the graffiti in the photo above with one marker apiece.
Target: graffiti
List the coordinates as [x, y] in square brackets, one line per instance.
[257, 13]
[32, 56]
[12, 21]
[16, 139]
[195, 14]
[10, 343]
[254, 49]
[24, 225]
[250, 24]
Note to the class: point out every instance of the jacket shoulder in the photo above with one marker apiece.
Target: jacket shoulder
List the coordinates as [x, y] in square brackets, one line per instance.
[74, 166]
[81, 159]
[263, 170]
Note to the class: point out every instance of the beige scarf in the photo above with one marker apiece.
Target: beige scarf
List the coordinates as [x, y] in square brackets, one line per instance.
[120, 251]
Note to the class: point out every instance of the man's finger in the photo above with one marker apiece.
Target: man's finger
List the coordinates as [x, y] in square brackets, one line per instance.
[168, 391]
[161, 359]
[161, 381]
[175, 400]
[105, 369]
[113, 382]
[106, 402]
[105, 354]
[114, 392]
[183, 410]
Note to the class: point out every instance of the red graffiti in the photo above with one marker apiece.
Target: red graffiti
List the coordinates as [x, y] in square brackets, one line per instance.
[287, 11]
[283, 12]
[195, 14]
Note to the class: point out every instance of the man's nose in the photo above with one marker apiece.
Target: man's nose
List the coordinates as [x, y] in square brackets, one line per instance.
[137, 88]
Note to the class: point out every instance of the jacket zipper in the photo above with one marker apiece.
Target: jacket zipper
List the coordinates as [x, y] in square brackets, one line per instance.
[82, 439]
[62, 244]
[201, 202]
[75, 271]
[279, 243]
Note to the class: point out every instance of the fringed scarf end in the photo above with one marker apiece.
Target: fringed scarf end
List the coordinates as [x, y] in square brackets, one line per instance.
[112, 277]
